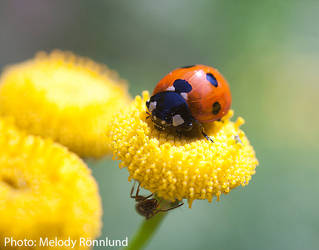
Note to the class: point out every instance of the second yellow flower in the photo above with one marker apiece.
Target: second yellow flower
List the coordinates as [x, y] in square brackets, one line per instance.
[64, 97]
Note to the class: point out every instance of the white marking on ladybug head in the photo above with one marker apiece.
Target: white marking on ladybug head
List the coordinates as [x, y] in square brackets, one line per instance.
[177, 120]
[171, 88]
[184, 95]
[152, 106]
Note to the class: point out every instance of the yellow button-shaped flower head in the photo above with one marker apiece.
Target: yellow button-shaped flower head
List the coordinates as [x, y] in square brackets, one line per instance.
[67, 98]
[45, 191]
[189, 166]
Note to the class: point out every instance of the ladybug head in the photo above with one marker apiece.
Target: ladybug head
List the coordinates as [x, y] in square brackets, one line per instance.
[159, 117]
[169, 109]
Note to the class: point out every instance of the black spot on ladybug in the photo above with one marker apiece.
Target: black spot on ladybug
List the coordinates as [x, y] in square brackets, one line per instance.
[212, 79]
[189, 66]
[182, 86]
[216, 108]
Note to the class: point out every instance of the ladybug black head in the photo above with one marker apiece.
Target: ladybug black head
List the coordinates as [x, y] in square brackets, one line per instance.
[169, 109]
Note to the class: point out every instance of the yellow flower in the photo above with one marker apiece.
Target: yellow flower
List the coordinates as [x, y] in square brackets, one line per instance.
[64, 97]
[187, 167]
[45, 191]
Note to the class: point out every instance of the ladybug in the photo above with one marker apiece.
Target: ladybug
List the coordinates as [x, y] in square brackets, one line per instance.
[188, 95]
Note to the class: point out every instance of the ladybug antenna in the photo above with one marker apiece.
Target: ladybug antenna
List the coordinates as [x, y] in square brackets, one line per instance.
[148, 115]
[202, 130]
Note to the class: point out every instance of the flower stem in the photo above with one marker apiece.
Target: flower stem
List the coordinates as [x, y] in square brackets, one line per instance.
[145, 232]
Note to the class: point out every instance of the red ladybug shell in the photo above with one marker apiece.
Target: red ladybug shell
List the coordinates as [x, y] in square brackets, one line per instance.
[210, 91]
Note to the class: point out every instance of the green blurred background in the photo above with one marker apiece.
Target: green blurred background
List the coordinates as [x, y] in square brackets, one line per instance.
[268, 51]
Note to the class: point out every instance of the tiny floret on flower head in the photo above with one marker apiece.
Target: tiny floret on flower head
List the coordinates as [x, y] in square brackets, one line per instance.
[64, 97]
[189, 167]
[45, 191]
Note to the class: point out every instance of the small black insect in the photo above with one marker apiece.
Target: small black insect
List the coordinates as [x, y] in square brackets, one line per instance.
[147, 206]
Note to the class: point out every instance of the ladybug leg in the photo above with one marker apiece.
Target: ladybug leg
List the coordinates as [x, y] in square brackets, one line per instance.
[202, 130]
[220, 120]
[206, 136]
[179, 133]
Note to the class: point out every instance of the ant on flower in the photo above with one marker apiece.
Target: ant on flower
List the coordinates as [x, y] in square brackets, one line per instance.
[148, 206]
